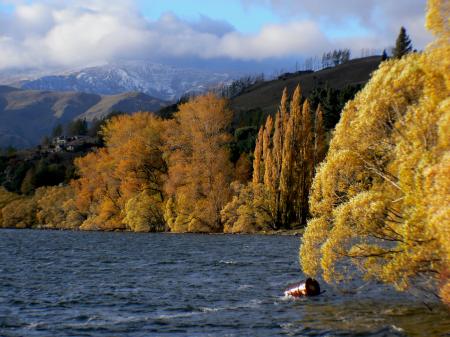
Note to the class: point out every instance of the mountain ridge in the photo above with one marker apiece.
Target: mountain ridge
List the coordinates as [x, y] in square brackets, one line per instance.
[164, 82]
[28, 115]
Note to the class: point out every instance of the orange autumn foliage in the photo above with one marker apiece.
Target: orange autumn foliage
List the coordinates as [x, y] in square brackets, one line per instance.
[131, 164]
[200, 170]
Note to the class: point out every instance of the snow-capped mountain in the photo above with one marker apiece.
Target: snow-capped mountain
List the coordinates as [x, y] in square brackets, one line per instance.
[157, 80]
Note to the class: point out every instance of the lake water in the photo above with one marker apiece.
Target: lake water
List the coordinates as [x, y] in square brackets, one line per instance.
[123, 284]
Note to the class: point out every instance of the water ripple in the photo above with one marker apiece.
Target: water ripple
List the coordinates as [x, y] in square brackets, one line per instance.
[125, 284]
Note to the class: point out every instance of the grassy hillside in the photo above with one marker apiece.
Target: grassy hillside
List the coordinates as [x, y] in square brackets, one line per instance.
[266, 96]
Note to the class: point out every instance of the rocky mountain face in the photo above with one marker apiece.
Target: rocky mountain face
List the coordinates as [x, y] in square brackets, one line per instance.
[161, 81]
[26, 116]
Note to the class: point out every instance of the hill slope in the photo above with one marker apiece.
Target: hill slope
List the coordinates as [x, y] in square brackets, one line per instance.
[267, 95]
[28, 115]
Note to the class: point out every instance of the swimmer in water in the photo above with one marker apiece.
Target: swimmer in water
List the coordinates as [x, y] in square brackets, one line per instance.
[309, 288]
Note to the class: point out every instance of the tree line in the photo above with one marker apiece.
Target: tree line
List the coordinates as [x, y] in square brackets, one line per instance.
[180, 174]
[335, 57]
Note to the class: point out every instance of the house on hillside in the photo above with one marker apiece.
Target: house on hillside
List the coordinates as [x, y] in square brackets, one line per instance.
[71, 144]
[61, 140]
[80, 143]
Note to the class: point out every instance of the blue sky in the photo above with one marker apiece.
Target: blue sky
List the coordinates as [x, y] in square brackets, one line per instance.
[4, 7]
[54, 34]
[248, 19]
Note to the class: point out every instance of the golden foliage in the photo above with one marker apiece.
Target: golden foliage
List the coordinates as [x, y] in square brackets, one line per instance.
[257, 162]
[247, 212]
[438, 18]
[6, 198]
[382, 197]
[320, 142]
[49, 207]
[56, 209]
[130, 169]
[200, 171]
[143, 213]
[20, 213]
[286, 153]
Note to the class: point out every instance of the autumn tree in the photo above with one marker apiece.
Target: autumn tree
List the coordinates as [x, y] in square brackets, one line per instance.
[48, 207]
[200, 170]
[320, 141]
[20, 213]
[257, 161]
[29, 181]
[6, 198]
[141, 212]
[55, 208]
[249, 210]
[381, 198]
[288, 148]
[124, 176]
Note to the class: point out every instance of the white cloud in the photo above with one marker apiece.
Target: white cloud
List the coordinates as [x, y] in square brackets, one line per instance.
[380, 18]
[57, 34]
[276, 41]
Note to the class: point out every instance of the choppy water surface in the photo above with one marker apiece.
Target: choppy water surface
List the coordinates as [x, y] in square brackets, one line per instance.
[124, 284]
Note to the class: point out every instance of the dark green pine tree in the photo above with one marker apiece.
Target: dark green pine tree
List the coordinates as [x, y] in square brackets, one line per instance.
[78, 127]
[403, 44]
[57, 131]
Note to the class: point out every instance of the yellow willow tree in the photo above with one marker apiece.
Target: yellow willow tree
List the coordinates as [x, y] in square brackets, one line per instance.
[200, 170]
[56, 208]
[382, 197]
[120, 186]
[287, 150]
[6, 198]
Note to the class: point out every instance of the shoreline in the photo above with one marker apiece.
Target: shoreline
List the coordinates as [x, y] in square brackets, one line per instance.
[286, 232]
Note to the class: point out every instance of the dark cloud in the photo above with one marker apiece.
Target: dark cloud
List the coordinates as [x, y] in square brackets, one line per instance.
[210, 26]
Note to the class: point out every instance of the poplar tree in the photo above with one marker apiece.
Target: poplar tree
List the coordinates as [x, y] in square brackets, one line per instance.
[286, 176]
[320, 146]
[276, 160]
[304, 164]
[287, 150]
[257, 178]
